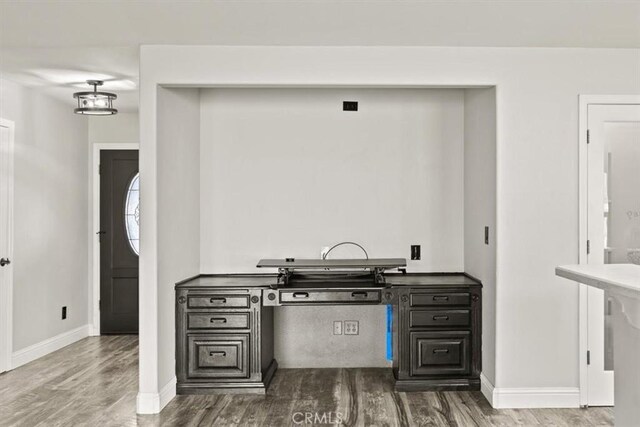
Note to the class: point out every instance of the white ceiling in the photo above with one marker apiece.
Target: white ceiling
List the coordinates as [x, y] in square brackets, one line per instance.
[57, 44]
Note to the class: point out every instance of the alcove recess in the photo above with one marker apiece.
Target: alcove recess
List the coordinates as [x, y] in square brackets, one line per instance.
[248, 173]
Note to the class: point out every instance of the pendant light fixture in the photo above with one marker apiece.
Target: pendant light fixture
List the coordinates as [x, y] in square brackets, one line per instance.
[95, 103]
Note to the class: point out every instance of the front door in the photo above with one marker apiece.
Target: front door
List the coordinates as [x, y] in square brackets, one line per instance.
[613, 227]
[119, 244]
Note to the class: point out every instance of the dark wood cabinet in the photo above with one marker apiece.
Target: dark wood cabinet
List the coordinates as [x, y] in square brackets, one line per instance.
[225, 334]
[224, 338]
[438, 336]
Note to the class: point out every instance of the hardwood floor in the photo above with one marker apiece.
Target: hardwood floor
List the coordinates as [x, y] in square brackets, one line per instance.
[94, 383]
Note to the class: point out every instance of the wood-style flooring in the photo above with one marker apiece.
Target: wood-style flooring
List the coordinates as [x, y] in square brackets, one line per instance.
[94, 383]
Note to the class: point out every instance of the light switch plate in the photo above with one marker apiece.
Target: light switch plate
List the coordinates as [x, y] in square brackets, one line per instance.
[337, 327]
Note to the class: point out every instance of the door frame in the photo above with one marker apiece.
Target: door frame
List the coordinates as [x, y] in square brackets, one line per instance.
[94, 261]
[8, 292]
[584, 101]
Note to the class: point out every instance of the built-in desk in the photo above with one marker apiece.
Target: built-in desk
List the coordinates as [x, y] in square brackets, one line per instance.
[225, 332]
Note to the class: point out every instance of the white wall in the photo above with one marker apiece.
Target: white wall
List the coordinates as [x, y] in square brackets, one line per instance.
[50, 214]
[119, 128]
[287, 172]
[480, 210]
[537, 170]
[179, 227]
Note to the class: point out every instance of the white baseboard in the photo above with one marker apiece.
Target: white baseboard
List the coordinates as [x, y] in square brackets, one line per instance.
[556, 397]
[93, 331]
[36, 351]
[513, 398]
[487, 389]
[152, 403]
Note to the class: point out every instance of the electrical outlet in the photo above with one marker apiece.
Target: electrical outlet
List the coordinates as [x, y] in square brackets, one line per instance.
[486, 235]
[64, 312]
[351, 327]
[415, 252]
[337, 327]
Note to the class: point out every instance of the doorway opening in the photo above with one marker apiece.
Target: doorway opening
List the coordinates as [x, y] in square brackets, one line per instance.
[115, 236]
[609, 226]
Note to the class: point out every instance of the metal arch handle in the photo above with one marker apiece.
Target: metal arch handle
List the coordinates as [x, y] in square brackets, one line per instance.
[4, 261]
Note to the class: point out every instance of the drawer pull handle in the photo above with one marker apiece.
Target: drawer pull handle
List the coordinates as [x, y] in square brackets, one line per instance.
[220, 300]
[441, 350]
[440, 298]
[218, 353]
[218, 320]
[358, 294]
[440, 317]
[300, 295]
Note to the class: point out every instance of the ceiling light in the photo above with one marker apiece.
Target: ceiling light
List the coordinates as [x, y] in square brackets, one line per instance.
[95, 103]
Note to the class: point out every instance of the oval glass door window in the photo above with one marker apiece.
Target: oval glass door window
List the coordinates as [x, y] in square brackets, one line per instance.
[132, 214]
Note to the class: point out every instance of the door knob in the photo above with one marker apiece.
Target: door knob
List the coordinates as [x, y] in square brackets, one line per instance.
[4, 261]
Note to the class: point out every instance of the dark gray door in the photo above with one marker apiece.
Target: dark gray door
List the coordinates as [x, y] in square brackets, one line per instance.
[119, 233]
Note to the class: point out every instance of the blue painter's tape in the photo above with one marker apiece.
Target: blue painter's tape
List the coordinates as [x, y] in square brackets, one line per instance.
[389, 332]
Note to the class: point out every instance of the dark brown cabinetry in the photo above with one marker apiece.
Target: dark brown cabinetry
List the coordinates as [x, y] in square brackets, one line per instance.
[224, 337]
[225, 334]
[437, 336]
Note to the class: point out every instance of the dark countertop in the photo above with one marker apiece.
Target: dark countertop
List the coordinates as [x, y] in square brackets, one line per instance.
[264, 280]
[430, 279]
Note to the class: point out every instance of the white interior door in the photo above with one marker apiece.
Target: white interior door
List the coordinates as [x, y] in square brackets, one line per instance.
[6, 241]
[613, 226]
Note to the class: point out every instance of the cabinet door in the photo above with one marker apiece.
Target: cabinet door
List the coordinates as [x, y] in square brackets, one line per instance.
[440, 353]
[218, 356]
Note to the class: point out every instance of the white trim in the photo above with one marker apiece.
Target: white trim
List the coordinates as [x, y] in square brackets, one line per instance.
[557, 397]
[168, 392]
[487, 389]
[94, 208]
[510, 398]
[47, 346]
[152, 403]
[7, 311]
[583, 123]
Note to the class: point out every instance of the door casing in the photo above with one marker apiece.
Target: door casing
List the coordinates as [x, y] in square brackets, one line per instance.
[584, 101]
[6, 293]
[94, 294]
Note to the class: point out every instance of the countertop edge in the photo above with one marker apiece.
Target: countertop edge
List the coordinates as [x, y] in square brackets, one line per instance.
[572, 272]
[254, 279]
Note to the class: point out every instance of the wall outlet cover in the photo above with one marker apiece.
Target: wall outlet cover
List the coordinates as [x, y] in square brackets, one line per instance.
[351, 327]
[64, 312]
[415, 252]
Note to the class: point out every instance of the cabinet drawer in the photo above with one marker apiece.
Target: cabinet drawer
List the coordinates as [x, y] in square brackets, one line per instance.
[446, 353]
[218, 301]
[218, 321]
[304, 296]
[218, 356]
[449, 318]
[440, 299]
